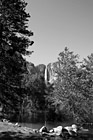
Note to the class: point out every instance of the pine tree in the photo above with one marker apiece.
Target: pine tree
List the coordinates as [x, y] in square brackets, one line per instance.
[14, 41]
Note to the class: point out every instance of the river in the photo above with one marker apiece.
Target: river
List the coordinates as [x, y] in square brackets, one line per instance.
[49, 125]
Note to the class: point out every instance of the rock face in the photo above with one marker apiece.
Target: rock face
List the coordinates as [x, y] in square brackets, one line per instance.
[30, 67]
[51, 71]
[39, 69]
[47, 72]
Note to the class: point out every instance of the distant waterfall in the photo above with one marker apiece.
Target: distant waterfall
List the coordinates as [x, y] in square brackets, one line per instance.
[46, 75]
[45, 111]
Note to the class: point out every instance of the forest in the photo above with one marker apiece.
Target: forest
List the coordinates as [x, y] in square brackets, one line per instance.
[24, 94]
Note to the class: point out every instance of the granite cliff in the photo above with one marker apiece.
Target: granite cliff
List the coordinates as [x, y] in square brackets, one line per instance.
[47, 72]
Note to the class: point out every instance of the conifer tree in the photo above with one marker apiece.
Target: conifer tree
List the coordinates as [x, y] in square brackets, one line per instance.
[14, 41]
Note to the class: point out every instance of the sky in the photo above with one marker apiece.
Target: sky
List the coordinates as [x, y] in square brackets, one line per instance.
[57, 24]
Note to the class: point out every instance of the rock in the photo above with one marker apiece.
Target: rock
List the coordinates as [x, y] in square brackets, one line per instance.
[30, 68]
[39, 69]
[14, 132]
[43, 129]
[57, 130]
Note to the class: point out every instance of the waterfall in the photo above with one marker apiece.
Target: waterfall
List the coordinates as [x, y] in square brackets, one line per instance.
[46, 75]
[45, 112]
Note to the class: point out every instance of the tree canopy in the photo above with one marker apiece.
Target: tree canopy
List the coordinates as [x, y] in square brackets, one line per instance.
[14, 41]
[72, 94]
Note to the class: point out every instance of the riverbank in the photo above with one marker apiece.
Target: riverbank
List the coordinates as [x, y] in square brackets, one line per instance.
[14, 131]
[11, 131]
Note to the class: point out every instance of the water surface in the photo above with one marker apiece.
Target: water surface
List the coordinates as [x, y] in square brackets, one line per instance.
[49, 125]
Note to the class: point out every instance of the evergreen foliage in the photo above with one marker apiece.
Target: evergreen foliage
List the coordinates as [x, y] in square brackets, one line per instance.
[14, 40]
[35, 86]
[73, 89]
[21, 92]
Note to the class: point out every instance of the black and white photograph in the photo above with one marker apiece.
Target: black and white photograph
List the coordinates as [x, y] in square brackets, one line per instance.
[46, 69]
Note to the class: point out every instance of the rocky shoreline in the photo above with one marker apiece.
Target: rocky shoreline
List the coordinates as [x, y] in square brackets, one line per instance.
[11, 131]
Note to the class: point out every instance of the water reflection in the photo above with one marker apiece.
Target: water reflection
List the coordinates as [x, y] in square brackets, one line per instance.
[49, 125]
[71, 138]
